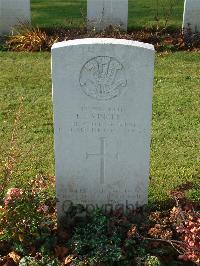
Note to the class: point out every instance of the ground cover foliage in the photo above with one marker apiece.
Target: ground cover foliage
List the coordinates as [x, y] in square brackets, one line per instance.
[166, 232]
[29, 234]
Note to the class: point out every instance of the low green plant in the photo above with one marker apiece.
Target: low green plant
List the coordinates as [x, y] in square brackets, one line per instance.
[43, 261]
[95, 243]
[152, 261]
[25, 219]
[27, 225]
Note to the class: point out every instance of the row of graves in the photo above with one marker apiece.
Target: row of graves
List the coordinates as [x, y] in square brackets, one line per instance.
[100, 14]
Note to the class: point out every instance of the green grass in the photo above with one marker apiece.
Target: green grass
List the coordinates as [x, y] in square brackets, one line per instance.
[176, 124]
[57, 12]
[175, 131]
[141, 13]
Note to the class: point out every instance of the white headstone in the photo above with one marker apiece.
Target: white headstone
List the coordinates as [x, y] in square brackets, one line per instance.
[191, 16]
[13, 12]
[102, 97]
[103, 13]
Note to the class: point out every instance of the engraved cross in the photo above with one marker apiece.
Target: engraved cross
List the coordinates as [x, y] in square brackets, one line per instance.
[102, 156]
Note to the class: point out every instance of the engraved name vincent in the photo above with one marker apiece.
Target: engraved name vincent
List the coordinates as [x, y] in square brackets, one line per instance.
[103, 78]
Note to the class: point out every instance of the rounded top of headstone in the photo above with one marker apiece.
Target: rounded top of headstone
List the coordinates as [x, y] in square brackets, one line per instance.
[93, 41]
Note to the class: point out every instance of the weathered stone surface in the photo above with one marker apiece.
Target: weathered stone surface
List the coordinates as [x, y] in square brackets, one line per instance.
[191, 16]
[102, 13]
[13, 12]
[102, 97]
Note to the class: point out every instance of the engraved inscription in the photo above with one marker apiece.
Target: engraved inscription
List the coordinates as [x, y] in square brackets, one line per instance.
[102, 155]
[102, 121]
[103, 78]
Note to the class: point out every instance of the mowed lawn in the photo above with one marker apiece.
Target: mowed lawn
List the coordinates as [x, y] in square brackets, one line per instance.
[72, 13]
[175, 128]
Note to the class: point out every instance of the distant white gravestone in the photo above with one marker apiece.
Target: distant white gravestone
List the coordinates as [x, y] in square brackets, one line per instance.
[191, 16]
[13, 12]
[103, 13]
[102, 97]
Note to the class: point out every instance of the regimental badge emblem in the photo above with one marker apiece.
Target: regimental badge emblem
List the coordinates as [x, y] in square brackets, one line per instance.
[103, 78]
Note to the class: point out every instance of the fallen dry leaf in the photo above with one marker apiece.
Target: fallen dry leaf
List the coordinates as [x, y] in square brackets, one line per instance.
[68, 259]
[13, 255]
[21, 237]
